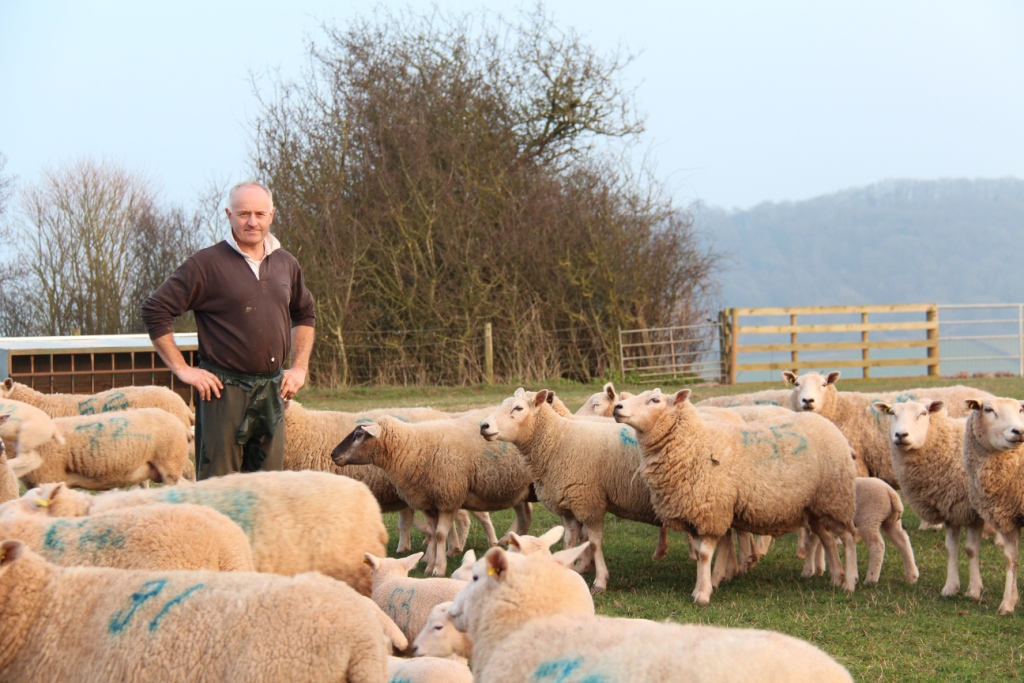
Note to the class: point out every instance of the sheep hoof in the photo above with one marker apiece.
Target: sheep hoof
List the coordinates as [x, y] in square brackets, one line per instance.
[1005, 609]
[974, 595]
[701, 600]
[912, 578]
[949, 591]
[658, 556]
[596, 590]
[801, 553]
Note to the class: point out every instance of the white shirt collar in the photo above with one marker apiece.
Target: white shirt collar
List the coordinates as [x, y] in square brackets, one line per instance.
[270, 245]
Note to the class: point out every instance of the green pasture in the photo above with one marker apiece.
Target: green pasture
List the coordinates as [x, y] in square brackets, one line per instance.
[888, 632]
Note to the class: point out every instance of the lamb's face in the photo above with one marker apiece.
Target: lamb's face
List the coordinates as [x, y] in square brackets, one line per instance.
[359, 447]
[809, 389]
[1001, 422]
[600, 404]
[642, 412]
[435, 638]
[909, 422]
[507, 422]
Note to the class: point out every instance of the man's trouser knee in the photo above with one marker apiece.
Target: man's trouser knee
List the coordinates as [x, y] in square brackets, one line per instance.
[217, 422]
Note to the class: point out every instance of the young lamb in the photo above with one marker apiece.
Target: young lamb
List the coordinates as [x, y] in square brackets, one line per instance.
[879, 510]
[767, 477]
[864, 427]
[441, 466]
[465, 570]
[25, 429]
[994, 460]
[602, 403]
[440, 638]
[150, 537]
[926, 448]
[428, 670]
[295, 521]
[533, 620]
[102, 624]
[9, 489]
[111, 450]
[581, 470]
[407, 600]
[313, 434]
[121, 398]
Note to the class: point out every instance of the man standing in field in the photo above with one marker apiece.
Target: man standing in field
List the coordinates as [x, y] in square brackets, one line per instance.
[252, 308]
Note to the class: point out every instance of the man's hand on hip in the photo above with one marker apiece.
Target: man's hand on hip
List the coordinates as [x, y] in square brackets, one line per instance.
[205, 382]
[292, 381]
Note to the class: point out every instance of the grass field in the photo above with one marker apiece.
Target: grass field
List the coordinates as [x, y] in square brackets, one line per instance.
[889, 632]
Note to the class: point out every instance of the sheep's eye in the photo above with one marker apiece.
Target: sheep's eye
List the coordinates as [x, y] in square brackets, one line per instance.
[516, 408]
[924, 414]
[438, 627]
[989, 410]
[655, 400]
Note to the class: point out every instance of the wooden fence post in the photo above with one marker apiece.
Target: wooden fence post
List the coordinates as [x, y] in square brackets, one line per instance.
[865, 352]
[489, 353]
[933, 336]
[734, 326]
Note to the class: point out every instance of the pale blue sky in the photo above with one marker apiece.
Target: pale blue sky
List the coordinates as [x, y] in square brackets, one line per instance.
[745, 101]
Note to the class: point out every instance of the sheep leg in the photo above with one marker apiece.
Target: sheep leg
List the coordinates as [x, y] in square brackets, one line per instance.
[952, 586]
[704, 547]
[1011, 541]
[814, 557]
[572, 531]
[405, 520]
[745, 552]
[458, 534]
[429, 531]
[831, 554]
[524, 517]
[972, 544]
[444, 525]
[693, 546]
[725, 560]
[485, 521]
[898, 535]
[761, 545]
[595, 534]
[662, 548]
[872, 538]
[850, 550]
[801, 544]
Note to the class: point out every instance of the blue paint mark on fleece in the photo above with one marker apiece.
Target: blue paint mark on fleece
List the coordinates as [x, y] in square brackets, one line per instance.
[627, 439]
[149, 590]
[778, 434]
[171, 603]
[399, 607]
[96, 539]
[239, 506]
[559, 671]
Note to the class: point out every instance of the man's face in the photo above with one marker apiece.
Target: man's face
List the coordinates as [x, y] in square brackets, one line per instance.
[250, 215]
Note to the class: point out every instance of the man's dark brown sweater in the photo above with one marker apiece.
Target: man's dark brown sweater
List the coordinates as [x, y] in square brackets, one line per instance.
[244, 324]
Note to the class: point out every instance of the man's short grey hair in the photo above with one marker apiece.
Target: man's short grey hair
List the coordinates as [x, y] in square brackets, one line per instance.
[249, 183]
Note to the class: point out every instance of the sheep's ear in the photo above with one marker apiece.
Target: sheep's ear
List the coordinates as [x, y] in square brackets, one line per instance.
[519, 393]
[972, 404]
[789, 378]
[609, 390]
[371, 428]
[833, 377]
[8, 383]
[513, 540]
[469, 557]
[55, 491]
[412, 560]
[553, 535]
[10, 551]
[497, 563]
[681, 397]
[371, 560]
[541, 397]
[883, 408]
[936, 406]
[568, 557]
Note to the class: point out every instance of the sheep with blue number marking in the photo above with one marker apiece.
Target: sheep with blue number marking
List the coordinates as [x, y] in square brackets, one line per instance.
[765, 477]
[405, 599]
[120, 398]
[111, 450]
[295, 521]
[148, 537]
[101, 624]
[533, 620]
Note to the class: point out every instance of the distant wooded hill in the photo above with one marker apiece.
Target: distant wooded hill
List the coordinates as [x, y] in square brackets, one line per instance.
[899, 241]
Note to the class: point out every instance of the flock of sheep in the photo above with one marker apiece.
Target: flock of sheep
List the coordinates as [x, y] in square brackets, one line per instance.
[284, 575]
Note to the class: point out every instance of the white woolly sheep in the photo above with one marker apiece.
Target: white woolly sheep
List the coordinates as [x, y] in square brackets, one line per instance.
[864, 427]
[768, 397]
[111, 450]
[528, 545]
[25, 430]
[581, 470]
[405, 599]
[767, 477]
[530, 620]
[311, 435]
[440, 638]
[465, 570]
[143, 625]
[601, 403]
[150, 537]
[427, 670]
[295, 521]
[440, 466]
[879, 510]
[9, 488]
[926, 448]
[120, 398]
[994, 460]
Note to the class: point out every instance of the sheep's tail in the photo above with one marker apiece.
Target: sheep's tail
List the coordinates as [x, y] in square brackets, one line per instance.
[897, 508]
[25, 463]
